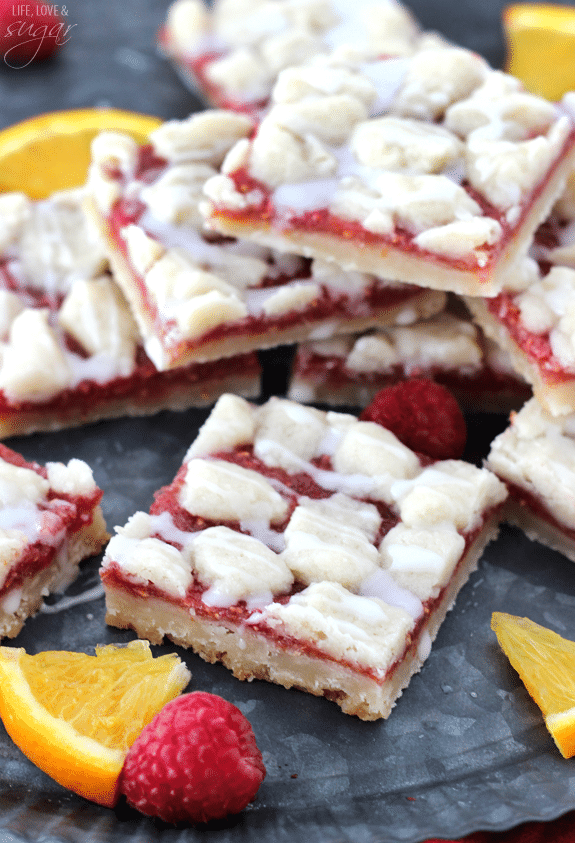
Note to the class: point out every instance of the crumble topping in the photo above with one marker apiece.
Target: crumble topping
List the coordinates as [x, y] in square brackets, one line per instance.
[438, 146]
[547, 307]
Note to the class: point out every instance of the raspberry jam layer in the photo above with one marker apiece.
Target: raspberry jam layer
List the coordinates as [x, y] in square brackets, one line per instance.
[59, 516]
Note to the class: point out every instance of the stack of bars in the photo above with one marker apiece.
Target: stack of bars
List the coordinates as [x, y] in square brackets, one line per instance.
[395, 206]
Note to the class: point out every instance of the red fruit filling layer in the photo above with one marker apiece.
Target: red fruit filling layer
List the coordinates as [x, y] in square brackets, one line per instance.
[59, 516]
[296, 485]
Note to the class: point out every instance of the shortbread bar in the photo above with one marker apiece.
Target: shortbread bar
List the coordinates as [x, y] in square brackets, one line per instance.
[196, 297]
[304, 547]
[448, 349]
[50, 521]
[535, 456]
[431, 169]
[231, 52]
[70, 350]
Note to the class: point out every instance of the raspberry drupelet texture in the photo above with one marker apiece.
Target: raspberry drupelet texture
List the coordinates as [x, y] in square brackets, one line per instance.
[423, 415]
[196, 761]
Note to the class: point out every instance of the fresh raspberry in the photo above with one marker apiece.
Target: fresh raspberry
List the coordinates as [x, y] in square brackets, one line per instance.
[30, 31]
[423, 415]
[197, 760]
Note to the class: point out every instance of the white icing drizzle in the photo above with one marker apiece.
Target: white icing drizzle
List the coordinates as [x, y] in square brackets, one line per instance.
[94, 593]
[163, 525]
[382, 585]
[261, 530]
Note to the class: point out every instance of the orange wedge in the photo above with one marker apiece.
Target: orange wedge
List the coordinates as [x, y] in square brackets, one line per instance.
[541, 47]
[51, 152]
[546, 664]
[75, 715]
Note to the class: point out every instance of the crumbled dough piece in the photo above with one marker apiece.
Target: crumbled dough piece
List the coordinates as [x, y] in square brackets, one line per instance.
[96, 314]
[241, 72]
[222, 491]
[294, 296]
[421, 560]
[415, 202]
[329, 118]
[396, 143]
[237, 567]
[289, 49]
[324, 544]
[451, 492]
[232, 422]
[371, 451]
[15, 210]
[34, 367]
[500, 109]
[437, 78]
[18, 484]
[187, 21]
[174, 197]
[462, 238]
[115, 150]
[288, 434]
[204, 137]
[504, 170]
[151, 560]
[279, 156]
[362, 630]
[318, 78]
[207, 310]
[72, 478]
[143, 250]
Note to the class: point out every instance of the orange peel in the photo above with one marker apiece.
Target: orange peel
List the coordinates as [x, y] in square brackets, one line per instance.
[75, 715]
[540, 40]
[546, 664]
[51, 152]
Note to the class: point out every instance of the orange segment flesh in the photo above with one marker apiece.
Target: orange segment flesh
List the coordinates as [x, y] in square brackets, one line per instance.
[51, 152]
[75, 715]
[546, 664]
[541, 47]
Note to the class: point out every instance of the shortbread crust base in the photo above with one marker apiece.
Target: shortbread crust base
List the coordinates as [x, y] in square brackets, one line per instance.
[251, 656]
[557, 398]
[200, 394]
[386, 261]
[57, 577]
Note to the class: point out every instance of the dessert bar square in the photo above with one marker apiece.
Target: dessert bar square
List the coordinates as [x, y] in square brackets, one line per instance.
[535, 457]
[431, 169]
[70, 349]
[197, 297]
[303, 547]
[231, 52]
[446, 348]
[50, 521]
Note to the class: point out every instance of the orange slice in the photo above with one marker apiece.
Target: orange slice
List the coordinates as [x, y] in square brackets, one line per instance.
[75, 715]
[541, 47]
[546, 663]
[51, 152]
